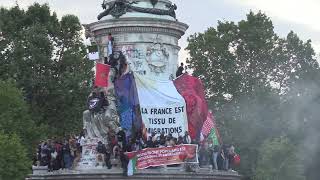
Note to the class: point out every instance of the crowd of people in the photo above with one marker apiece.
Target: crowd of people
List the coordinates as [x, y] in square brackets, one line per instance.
[57, 154]
[219, 157]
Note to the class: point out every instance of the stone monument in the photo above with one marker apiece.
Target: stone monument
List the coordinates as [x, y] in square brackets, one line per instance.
[146, 33]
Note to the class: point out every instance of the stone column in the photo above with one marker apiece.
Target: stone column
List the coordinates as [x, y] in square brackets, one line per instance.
[149, 42]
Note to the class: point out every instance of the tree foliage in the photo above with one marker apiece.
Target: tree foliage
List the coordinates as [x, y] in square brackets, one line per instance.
[15, 116]
[278, 159]
[46, 58]
[14, 162]
[260, 85]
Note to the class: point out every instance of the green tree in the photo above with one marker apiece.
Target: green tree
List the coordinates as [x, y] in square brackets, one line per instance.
[46, 57]
[256, 82]
[14, 163]
[15, 116]
[279, 160]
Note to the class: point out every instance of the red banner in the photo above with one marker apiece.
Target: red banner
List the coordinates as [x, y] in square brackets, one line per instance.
[102, 75]
[154, 157]
[192, 91]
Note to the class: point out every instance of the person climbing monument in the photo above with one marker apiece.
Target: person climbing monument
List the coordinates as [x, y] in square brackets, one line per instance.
[104, 100]
[101, 150]
[110, 44]
[94, 103]
[121, 137]
[180, 70]
[123, 65]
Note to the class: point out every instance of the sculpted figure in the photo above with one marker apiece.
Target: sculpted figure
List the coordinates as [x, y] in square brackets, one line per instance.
[100, 122]
[117, 8]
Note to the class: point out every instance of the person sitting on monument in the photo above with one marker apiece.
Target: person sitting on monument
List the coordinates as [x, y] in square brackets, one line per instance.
[101, 151]
[123, 65]
[113, 62]
[162, 139]
[186, 138]
[152, 140]
[180, 70]
[180, 140]
[94, 103]
[169, 137]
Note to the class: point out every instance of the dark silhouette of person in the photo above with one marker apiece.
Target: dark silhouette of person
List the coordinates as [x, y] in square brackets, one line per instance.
[180, 70]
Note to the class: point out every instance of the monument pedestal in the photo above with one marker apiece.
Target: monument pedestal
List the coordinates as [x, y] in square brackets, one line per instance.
[143, 174]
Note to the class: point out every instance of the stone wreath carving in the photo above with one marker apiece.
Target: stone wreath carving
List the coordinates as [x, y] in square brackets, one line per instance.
[117, 8]
[157, 57]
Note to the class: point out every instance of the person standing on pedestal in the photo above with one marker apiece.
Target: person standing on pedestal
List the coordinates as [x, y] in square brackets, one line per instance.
[110, 44]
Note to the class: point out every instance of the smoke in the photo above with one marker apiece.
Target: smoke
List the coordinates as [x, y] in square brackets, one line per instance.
[303, 113]
[252, 119]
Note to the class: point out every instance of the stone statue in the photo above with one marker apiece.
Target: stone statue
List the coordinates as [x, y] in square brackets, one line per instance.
[154, 2]
[98, 125]
[117, 8]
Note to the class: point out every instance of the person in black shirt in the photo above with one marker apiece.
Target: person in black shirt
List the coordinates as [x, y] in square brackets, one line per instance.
[180, 70]
[104, 100]
[121, 136]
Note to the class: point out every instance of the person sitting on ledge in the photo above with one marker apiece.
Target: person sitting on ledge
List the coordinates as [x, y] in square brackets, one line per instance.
[186, 138]
[180, 70]
[101, 150]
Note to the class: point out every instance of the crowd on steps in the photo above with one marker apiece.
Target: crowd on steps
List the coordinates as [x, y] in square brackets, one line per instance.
[65, 154]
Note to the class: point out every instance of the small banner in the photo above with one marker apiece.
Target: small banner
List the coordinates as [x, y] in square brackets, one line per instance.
[102, 75]
[154, 157]
[93, 53]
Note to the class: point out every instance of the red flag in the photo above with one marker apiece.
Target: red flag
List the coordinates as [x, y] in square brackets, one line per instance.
[102, 75]
[191, 89]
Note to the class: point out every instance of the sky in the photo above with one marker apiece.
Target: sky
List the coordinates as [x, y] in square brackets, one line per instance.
[301, 16]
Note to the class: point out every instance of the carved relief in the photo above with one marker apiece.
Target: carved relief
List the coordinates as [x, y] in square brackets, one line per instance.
[157, 56]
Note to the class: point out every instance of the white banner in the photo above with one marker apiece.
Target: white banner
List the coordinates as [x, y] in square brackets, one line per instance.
[163, 109]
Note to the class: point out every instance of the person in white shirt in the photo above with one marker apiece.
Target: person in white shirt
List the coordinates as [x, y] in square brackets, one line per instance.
[187, 138]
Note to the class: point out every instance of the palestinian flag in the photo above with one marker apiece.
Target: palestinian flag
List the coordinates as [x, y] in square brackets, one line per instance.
[132, 165]
[210, 131]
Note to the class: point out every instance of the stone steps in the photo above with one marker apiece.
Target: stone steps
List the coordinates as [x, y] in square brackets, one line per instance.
[169, 174]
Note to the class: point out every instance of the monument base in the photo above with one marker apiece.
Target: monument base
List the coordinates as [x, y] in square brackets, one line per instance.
[168, 173]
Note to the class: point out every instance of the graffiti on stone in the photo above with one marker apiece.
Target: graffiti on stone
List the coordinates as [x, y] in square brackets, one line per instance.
[137, 64]
[132, 53]
[135, 58]
[141, 72]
